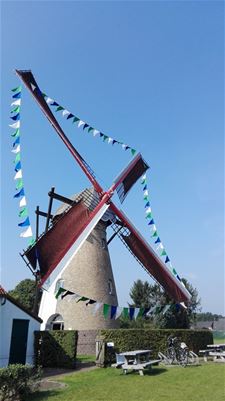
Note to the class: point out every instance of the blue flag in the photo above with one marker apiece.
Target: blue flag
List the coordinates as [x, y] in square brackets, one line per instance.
[131, 313]
[16, 141]
[25, 223]
[18, 166]
[17, 95]
[21, 193]
[151, 222]
[16, 117]
[167, 259]
[147, 204]
[144, 188]
[157, 241]
[113, 311]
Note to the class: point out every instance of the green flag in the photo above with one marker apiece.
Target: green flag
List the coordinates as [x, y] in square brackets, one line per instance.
[105, 137]
[75, 119]
[106, 310]
[144, 181]
[141, 311]
[17, 159]
[174, 271]
[16, 133]
[126, 312]
[16, 110]
[19, 183]
[155, 234]
[18, 88]
[90, 129]
[59, 108]
[148, 216]
[23, 212]
[82, 299]
[60, 291]
[146, 197]
[31, 242]
[163, 253]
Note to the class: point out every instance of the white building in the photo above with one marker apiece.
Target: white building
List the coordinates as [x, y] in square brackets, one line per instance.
[17, 326]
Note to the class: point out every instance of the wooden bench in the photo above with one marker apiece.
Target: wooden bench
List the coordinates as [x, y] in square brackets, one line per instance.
[205, 354]
[140, 366]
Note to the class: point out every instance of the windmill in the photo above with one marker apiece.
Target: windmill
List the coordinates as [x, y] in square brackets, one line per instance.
[56, 254]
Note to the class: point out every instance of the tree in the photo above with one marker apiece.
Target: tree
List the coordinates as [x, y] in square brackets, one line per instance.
[25, 292]
[147, 295]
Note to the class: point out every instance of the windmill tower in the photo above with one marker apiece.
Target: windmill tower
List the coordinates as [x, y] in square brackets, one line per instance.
[74, 249]
[88, 273]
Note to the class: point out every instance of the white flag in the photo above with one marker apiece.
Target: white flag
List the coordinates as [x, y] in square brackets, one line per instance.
[16, 102]
[165, 309]
[118, 312]
[65, 113]
[137, 310]
[146, 192]
[27, 233]
[148, 210]
[33, 87]
[96, 307]
[15, 125]
[96, 132]
[23, 201]
[49, 100]
[124, 146]
[153, 227]
[17, 150]
[144, 177]
[18, 175]
[80, 123]
[183, 304]
[110, 140]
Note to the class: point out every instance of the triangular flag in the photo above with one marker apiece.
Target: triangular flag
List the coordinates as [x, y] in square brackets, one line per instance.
[167, 259]
[80, 123]
[49, 100]
[131, 313]
[17, 166]
[19, 184]
[33, 87]
[82, 299]
[18, 175]
[21, 193]
[54, 103]
[27, 233]
[183, 304]
[155, 234]
[16, 110]
[65, 113]
[147, 204]
[23, 212]
[90, 129]
[144, 187]
[59, 108]
[148, 210]
[126, 312]
[85, 126]
[95, 132]
[25, 223]
[96, 307]
[136, 312]
[110, 140]
[149, 216]
[174, 271]
[16, 133]
[16, 117]
[18, 88]
[76, 119]
[69, 116]
[17, 158]
[16, 102]
[163, 253]
[141, 311]
[17, 95]
[59, 292]
[17, 150]
[15, 125]
[157, 241]
[113, 311]
[133, 151]
[118, 312]
[16, 141]
[66, 293]
[125, 147]
[105, 137]
[165, 309]
[106, 310]
[145, 193]
[23, 201]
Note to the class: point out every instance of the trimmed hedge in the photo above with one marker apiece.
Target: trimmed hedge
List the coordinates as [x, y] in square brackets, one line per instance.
[18, 381]
[156, 340]
[56, 348]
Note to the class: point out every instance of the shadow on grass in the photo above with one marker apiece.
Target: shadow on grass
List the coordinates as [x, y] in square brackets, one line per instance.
[42, 395]
[149, 372]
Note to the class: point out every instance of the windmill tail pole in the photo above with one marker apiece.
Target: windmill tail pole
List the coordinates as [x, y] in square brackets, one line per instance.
[28, 79]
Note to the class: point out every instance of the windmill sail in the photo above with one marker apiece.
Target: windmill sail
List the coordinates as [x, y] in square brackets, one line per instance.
[69, 232]
[149, 260]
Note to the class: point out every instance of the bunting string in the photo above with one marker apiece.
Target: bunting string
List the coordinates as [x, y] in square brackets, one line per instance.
[23, 212]
[86, 126]
[114, 311]
[154, 231]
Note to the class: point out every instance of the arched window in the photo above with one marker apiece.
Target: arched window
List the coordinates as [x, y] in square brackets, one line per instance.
[110, 286]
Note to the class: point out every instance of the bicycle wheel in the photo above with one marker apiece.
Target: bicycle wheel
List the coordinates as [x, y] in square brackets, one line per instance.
[171, 355]
[182, 357]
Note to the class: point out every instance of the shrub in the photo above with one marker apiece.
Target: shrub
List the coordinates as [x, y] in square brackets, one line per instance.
[18, 381]
[132, 339]
[56, 348]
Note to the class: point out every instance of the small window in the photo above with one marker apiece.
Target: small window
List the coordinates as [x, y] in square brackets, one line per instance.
[110, 286]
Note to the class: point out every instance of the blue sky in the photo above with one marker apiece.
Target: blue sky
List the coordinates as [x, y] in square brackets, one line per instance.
[146, 73]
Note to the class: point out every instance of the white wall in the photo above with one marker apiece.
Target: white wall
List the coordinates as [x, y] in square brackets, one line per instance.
[8, 312]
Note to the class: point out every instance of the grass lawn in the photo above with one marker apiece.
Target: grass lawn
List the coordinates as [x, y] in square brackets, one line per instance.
[195, 383]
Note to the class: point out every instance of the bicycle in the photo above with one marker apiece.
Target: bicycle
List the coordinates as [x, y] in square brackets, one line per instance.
[177, 352]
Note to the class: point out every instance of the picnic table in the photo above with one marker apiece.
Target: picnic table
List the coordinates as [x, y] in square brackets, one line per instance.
[217, 351]
[137, 360]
